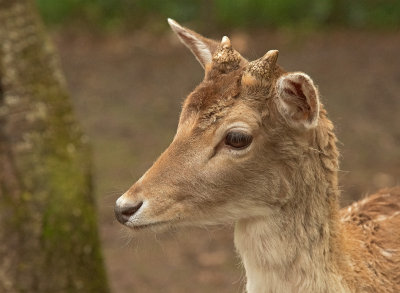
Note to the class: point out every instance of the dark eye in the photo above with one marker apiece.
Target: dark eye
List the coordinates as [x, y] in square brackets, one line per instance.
[238, 140]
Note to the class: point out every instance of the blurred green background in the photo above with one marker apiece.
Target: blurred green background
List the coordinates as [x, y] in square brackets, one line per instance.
[128, 75]
[130, 14]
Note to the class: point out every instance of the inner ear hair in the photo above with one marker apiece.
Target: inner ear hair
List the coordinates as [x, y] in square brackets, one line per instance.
[201, 47]
[298, 100]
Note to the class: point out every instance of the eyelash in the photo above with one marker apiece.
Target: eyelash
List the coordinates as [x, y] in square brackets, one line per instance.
[238, 140]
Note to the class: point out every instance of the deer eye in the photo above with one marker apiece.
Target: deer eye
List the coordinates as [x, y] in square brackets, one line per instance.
[238, 140]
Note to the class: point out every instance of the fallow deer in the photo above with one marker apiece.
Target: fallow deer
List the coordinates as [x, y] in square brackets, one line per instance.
[254, 147]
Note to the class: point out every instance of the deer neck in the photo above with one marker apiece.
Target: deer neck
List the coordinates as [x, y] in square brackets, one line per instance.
[295, 248]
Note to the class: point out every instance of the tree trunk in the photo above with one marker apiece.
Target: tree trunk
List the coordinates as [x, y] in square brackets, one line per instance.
[48, 228]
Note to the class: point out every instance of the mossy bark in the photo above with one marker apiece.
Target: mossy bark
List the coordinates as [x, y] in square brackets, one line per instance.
[48, 229]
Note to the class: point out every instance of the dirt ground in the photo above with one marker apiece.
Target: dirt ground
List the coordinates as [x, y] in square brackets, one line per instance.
[127, 91]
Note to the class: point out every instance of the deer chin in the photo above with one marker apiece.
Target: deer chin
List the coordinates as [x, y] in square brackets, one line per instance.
[186, 219]
[167, 225]
[158, 226]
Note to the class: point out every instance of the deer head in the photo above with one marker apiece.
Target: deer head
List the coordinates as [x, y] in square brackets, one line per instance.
[241, 134]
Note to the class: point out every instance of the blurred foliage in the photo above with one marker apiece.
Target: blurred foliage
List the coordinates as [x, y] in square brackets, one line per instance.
[109, 14]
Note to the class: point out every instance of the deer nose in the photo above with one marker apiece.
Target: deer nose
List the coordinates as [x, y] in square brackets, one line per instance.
[123, 213]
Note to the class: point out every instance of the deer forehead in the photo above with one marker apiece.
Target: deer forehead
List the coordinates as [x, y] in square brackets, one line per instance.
[220, 96]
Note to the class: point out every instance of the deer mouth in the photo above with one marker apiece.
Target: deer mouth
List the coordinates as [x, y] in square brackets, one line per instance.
[138, 227]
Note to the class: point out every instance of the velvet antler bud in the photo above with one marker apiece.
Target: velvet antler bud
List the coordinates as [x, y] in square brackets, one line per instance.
[225, 58]
[263, 68]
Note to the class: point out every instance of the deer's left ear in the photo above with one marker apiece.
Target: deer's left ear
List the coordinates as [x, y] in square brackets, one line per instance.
[201, 47]
[298, 100]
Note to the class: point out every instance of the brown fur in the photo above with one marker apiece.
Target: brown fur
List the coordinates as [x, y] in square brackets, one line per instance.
[372, 227]
[282, 191]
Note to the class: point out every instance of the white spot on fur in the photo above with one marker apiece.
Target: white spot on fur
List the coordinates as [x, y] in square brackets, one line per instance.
[386, 253]
[384, 218]
[381, 218]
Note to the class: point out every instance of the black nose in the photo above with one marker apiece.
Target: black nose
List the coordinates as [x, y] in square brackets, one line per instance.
[125, 212]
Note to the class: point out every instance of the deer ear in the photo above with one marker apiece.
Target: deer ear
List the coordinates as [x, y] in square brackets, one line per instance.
[202, 48]
[298, 100]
